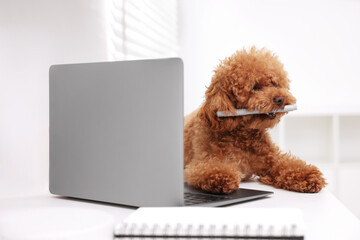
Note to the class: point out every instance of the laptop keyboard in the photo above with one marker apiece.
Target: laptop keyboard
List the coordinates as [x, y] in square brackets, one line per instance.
[197, 198]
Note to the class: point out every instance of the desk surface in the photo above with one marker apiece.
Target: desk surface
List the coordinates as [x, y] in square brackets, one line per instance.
[325, 217]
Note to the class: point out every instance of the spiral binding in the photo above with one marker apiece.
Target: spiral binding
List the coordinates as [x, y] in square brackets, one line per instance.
[189, 231]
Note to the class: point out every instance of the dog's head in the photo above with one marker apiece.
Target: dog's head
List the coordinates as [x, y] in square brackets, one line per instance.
[254, 80]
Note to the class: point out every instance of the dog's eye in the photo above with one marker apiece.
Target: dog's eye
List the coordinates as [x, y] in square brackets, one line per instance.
[256, 87]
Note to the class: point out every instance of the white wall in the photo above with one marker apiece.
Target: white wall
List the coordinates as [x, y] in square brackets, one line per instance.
[318, 42]
[33, 35]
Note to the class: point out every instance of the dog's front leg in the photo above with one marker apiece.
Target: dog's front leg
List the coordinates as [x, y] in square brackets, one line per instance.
[212, 175]
[291, 173]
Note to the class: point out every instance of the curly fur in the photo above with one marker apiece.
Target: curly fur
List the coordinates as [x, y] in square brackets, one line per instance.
[221, 152]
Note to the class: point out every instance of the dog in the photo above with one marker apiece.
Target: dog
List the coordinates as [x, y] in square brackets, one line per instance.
[219, 153]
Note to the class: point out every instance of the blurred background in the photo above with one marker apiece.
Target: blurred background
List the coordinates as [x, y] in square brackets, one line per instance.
[318, 42]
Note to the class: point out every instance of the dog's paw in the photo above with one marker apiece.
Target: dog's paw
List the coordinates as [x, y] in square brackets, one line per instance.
[312, 182]
[308, 179]
[220, 182]
[213, 176]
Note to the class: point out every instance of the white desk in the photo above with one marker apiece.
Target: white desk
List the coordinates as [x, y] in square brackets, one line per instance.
[325, 216]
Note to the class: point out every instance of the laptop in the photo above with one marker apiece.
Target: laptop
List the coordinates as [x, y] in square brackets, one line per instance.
[116, 135]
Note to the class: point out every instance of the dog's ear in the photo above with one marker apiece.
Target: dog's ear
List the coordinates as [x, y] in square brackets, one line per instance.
[216, 100]
[220, 101]
[241, 94]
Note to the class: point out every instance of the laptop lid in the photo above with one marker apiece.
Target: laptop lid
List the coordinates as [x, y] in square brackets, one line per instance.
[116, 131]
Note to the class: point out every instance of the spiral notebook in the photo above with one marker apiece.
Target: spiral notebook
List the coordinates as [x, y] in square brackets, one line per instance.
[212, 223]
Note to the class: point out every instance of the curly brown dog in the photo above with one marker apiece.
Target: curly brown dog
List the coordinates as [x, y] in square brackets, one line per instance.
[221, 152]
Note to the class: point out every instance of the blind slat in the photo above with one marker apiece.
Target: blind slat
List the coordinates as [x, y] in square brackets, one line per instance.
[143, 29]
[137, 39]
[146, 32]
[155, 7]
[142, 39]
[151, 12]
[147, 19]
[152, 33]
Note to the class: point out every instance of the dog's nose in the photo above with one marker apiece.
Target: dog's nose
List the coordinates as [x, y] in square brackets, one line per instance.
[279, 101]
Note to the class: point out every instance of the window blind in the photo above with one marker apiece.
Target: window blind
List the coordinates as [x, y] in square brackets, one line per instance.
[142, 29]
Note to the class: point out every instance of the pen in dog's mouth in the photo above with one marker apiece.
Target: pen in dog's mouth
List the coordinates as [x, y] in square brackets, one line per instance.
[243, 112]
